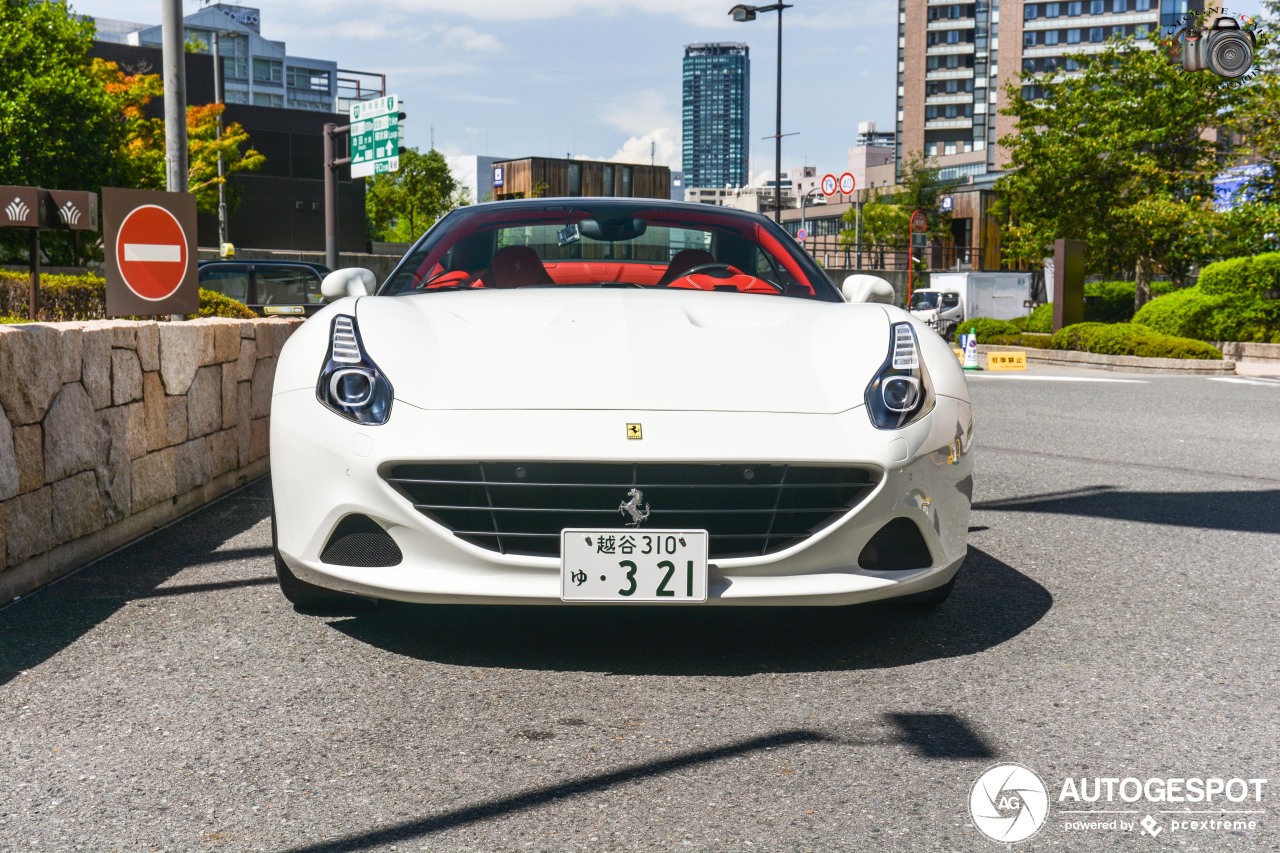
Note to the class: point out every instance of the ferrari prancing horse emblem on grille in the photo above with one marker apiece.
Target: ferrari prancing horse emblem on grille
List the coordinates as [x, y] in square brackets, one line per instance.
[632, 508]
[635, 431]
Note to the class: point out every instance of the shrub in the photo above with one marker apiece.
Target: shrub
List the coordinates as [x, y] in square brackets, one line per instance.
[986, 328]
[1041, 319]
[1242, 276]
[84, 297]
[1029, 341]
[1130, 339]
[215, 304]
[1189, 313]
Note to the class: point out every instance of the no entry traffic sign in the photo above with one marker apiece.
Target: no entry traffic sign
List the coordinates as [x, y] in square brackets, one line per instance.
[151, 252]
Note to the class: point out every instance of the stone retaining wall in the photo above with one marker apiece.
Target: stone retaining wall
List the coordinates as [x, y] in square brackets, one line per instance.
[112, 428]
[1264, 353]
[1123, 363]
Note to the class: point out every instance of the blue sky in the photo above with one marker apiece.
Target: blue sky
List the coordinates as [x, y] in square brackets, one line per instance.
[594, 78]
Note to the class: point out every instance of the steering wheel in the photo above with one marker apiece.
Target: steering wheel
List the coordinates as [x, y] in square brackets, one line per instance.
[710, 267]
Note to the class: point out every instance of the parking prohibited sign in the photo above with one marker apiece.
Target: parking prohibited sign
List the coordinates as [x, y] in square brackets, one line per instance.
[150, 257]
[375, 136]
[829, 185]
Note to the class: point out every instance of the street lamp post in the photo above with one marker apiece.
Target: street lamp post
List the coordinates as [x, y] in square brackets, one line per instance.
[804, 201]
[743, 13]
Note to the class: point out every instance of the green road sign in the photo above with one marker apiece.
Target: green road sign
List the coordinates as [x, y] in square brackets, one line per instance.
[375, 136]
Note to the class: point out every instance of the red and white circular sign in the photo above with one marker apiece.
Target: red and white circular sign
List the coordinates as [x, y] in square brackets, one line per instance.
[847, 183]
[828, 185]
[151, 252]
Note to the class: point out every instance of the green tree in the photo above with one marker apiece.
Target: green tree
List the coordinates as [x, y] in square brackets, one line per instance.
[1121, 156]
[886, 217]
[400, 205]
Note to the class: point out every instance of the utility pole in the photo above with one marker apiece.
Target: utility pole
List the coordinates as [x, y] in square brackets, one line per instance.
[173, 58]
[222, 186]
[331, 165]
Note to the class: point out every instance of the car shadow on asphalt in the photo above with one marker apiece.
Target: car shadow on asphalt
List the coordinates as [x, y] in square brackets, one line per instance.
[1244, 511]
[992, 603]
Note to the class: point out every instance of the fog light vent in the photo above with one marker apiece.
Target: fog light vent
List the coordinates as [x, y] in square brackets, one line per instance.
[896, 547]
[359, 541]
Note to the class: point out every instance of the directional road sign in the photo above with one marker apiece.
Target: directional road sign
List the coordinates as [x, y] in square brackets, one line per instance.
[375, 136]
[151, 253]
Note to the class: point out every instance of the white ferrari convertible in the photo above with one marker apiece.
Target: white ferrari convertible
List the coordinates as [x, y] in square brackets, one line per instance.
[604, 400]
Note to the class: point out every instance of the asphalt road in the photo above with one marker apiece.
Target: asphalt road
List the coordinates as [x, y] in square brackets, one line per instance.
[1116, 618]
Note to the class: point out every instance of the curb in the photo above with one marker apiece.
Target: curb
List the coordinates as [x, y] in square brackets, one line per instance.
[1122, 363]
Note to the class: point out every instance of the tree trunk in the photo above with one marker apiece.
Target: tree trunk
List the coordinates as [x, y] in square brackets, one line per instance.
[1142, 283]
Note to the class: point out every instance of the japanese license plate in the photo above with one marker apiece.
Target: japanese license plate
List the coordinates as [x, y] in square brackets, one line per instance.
[631, 565]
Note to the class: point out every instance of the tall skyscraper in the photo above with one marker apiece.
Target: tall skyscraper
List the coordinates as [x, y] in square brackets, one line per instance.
[717, 95]
[955, 59]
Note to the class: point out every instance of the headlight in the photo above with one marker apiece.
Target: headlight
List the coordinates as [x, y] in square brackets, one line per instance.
[350, 383]
[900, 392]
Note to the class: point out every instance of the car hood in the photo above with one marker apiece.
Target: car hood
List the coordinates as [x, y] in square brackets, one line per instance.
[624, 350]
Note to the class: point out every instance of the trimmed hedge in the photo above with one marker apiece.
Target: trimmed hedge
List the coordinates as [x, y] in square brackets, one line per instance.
[84, 297]
[1105, 302]
[986, 329]
[1131, 339]
[1028, 340]
[1227, 303]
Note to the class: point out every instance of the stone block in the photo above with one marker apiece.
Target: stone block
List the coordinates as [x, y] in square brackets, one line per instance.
[175, 416]
[136, 418]
[126, 377]
[260, 439]
[4, 557]
[153, 401]
[224, 455]
[230, 396]
[226, 341]
[248, 359]
[76, 508]
[149, 345]
[96, 371]
[10, 478]
[71, 348]
[27, 520]
[179, 355]
[192, 465]
[204, 402]
[153, 479]
[264, 374]
[244, 422]
[115, 470]
[29, 377]
[74, 436]
[206, 355]
[28, 446]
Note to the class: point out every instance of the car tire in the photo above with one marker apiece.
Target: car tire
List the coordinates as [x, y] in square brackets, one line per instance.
[930, 598]
[307, 597]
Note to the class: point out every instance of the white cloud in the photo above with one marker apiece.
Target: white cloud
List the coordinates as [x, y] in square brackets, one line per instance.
[466, 38]
[659, 144]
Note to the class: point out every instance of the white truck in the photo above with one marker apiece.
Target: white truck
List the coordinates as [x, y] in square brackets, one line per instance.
[954, 297]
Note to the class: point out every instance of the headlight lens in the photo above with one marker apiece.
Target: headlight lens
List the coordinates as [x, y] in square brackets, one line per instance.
[351, 385]
[900, 392]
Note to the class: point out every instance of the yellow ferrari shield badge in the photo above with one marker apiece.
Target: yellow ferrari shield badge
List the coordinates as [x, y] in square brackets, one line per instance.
[635, 431]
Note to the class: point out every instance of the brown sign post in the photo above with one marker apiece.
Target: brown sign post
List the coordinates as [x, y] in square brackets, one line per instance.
[34, 208]
[149, 245]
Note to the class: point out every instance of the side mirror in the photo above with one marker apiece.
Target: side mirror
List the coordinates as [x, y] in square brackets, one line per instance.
[352, 281]
[868, 288]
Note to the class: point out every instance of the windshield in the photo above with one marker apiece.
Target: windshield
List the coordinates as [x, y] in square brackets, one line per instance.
[923, 299]
[608, 243]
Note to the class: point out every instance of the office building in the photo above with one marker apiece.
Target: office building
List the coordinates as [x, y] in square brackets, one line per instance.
[716, 99]
[256, 70]
[955, 60]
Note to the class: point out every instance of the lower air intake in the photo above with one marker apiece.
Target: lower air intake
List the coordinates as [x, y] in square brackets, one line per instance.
[896, 547]
[359, 541]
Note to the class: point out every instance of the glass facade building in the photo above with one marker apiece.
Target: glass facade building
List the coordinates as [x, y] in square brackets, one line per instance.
[716, 99]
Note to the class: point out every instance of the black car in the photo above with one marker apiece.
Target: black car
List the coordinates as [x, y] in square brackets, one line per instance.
[271, 288]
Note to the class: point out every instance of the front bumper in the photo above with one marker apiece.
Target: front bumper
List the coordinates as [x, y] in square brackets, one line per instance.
[325, 468]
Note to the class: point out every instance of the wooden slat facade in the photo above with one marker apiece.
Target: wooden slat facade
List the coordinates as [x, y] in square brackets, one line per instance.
[546, 177]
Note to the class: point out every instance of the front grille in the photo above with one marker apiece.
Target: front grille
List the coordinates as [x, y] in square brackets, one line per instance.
[516, 508]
